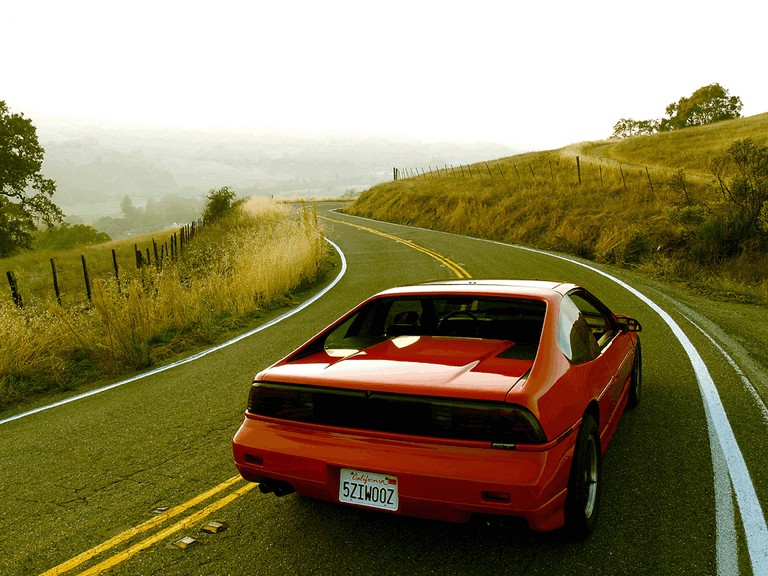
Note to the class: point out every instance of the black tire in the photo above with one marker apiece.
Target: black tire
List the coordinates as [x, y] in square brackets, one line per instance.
[582, 503]
[636, 380]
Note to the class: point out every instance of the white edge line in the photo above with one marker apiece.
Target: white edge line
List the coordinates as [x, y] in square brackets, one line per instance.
[197, 356]
[744, 380]
[719, 426]
[720, 431]
[726, 538]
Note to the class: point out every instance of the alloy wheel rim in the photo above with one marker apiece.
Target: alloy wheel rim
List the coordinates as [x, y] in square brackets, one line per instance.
[590, 478]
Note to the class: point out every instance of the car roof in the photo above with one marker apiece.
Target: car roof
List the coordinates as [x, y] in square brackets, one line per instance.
[501, 287]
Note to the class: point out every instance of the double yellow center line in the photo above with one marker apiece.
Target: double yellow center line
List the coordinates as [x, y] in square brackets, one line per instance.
[452, 266]
[158, 520]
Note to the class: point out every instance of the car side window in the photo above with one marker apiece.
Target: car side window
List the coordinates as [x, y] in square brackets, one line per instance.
[600, 321]
[574, 336]
[586, 327]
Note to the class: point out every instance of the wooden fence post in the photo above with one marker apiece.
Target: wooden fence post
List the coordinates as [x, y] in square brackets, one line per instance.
[87, 279]
[55, 282]
[578, 169]
[17, 299]
[157, 260]
[649, 178]
[117, 271]
[623, 179]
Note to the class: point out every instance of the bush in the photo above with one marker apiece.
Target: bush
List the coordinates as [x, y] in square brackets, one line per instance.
[219, 203]
[742, 173]
[638, 247]
[713, 242]
[67, 236]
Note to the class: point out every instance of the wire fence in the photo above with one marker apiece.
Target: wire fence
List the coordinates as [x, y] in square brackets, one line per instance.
[551, 170]
[69, 279]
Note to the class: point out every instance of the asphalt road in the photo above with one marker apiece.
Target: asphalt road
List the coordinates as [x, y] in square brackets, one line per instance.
[112, 482]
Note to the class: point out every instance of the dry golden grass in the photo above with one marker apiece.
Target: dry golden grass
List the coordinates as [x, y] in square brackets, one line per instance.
[234, 268]
[628, 209]
[690, 148]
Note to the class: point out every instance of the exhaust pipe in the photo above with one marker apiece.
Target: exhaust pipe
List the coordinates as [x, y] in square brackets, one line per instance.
[276, 487]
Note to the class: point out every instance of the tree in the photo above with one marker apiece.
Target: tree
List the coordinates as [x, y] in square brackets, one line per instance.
[219, 203]
[706, 105]
[626, 128]
[130, 212]
[25, 195]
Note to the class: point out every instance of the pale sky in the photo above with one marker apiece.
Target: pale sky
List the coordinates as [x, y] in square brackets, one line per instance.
[535, 75]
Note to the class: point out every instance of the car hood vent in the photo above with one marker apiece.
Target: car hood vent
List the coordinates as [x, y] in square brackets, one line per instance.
[429, 366]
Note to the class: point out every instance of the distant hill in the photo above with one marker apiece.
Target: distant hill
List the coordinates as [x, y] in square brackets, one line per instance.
[95, 166]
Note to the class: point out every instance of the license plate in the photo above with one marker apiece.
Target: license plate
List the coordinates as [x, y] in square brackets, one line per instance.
[368, 489]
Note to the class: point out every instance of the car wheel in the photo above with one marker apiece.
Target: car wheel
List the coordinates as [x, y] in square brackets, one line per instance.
[635, 382]
[584, 485]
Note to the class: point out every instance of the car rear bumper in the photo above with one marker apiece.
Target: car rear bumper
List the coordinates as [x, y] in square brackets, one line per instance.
[439, 480]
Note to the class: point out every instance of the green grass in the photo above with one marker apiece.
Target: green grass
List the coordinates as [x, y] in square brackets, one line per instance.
[640, 203]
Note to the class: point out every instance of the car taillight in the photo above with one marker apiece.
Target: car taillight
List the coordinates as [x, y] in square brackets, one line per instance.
[501, 424]
[504, 425]
[286, 402]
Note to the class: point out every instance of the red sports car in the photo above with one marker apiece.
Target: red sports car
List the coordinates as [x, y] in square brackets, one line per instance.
[448, 399]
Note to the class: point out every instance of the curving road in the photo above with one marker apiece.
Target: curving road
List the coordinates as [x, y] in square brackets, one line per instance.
[123, 480]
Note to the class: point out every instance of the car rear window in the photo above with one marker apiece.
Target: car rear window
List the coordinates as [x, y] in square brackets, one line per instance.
[516, 320]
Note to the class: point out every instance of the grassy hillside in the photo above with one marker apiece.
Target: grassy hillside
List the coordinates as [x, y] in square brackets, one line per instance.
[231, 272]
[649, 202]
[689, 149]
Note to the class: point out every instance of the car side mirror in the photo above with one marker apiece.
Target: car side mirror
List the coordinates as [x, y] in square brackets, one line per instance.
[627, 324]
